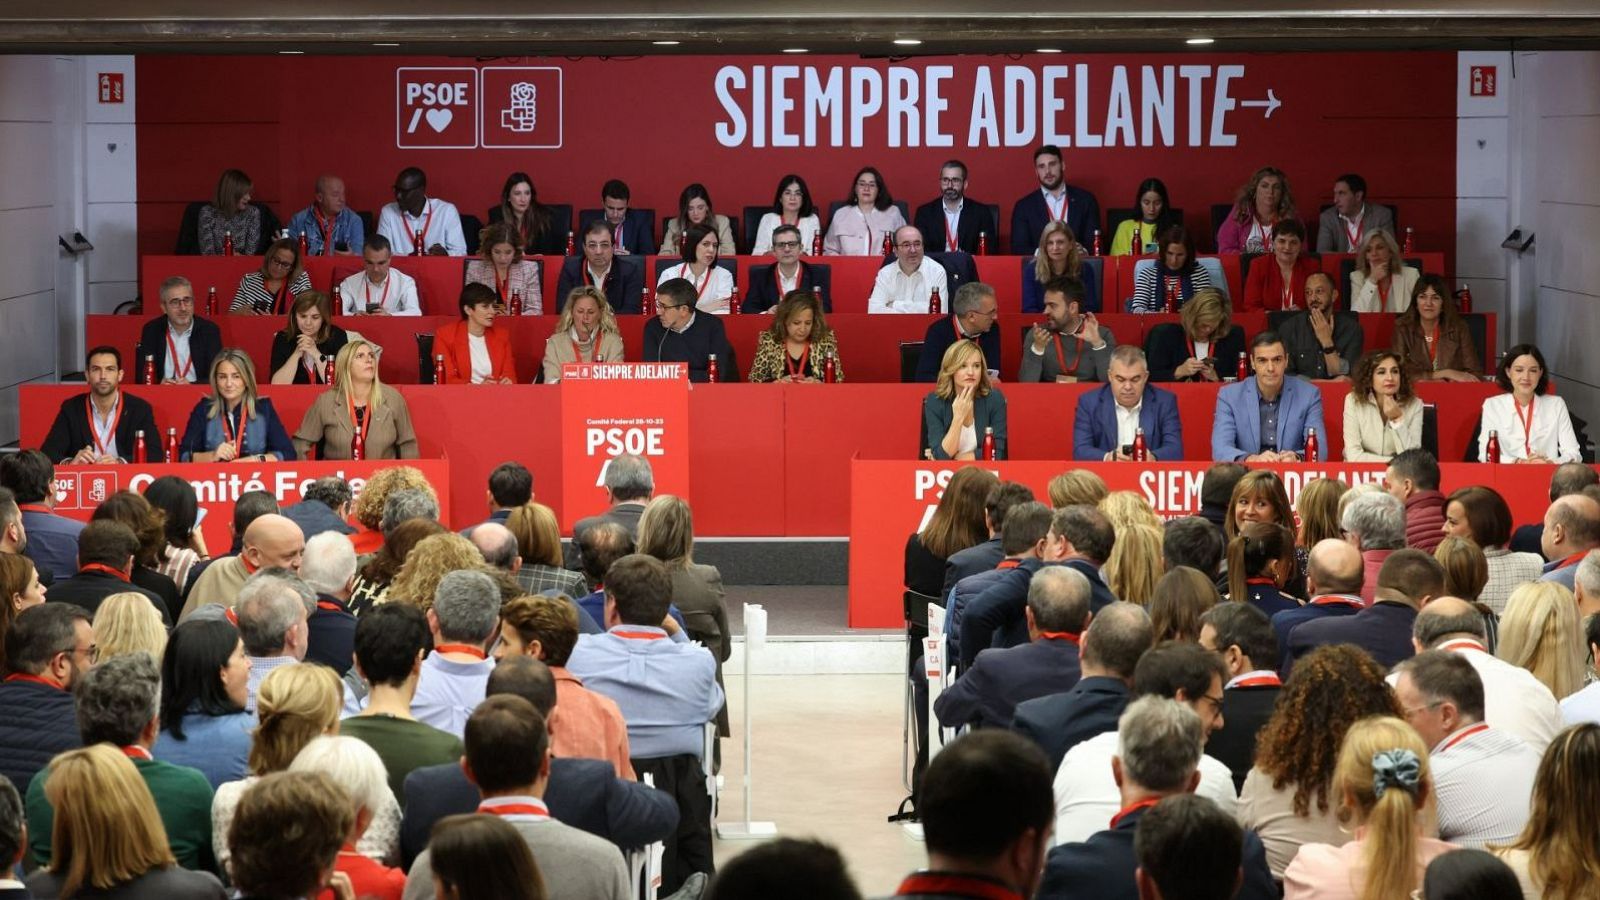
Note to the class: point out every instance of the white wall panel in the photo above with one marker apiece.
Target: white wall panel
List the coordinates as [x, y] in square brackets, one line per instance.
[113, 229]
[29, 175]
[27, 252]
[104, 296]
[30, 338]
[112, 164]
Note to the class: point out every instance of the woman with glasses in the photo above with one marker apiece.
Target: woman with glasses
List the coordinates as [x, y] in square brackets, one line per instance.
[301, 351]
[273, 289]
[858, 228]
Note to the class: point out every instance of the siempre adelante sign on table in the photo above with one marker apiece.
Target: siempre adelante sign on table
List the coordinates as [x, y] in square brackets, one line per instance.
[648, 417]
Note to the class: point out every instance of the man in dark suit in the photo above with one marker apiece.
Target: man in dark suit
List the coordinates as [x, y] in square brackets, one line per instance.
[974, 312]
[1323, 341]
[583, 793]
[953, 222]
[1568, 478]
[997, 505]
[987, 695]
[1243, 636]
[629, 485]
[677, 333]
[769, 284]
[1333, 583]
[1107, 419]
[101, 427]
[1111, 647]
[328, 565]
[1342, 226]
[181, 343]
[1408, 580]
[105, 563]
[1054, 201]
[620, 280]
[632, 231]
[1022, 537]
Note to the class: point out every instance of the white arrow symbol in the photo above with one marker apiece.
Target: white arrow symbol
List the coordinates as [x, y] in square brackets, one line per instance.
[1271, 103]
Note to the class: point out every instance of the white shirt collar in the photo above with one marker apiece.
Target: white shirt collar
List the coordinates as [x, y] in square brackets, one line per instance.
[181, 334]
[1360, 214]
[687, 325]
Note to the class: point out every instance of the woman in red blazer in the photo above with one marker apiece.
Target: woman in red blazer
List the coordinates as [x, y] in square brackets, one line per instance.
[1278, 281]
[457, 341]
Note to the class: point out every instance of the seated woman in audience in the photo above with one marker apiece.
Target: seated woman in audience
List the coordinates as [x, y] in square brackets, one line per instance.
[1466, 571]
[428, 562]
[1533, 426]
[126, 623]
[1059, 254]
[1134, 566]
[286, 836]
[1181, 597]
[19, 590]
[1381, 282]
[1260, 496]
[1288, 797]
[713, 284]
[1175, 267]
[357, 401]
[791, 206]
[1381, 415]
[374, 500]
[503, 269]
[1125, 509]
[300, 352]
[1540, 632]
[531, 224]
[694, 208]
[1154, 217]
[1260, 563]
[1280, 282]
[1384, 783]
[272, 289]
[148, 525]
[798, 345]
[230, 215]
[1481, 515]
[1318, 508]
[1076, 486]
[205, 684]
[964, 406]
[869, 215]
[1205, 345]
[1431, 337]
[666, 532]
[474, 351]
[107, 839]
[372, 582]
[538, 537]
[185, 545]
[586, 332]
[234, 423]
[1263, 202]
[956, 524]
[356, 767]
[1556, 856]
[481, 857]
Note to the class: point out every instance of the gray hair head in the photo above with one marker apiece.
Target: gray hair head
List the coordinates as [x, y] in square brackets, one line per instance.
[329, 563]
[969, 297]
[1059, 598]
[350, 762]
[1129, 355]
[1159, 742]
[271, 603]
[329, 490]
[467, 605]
[1588, 575]
[404, 505]
[117, 699]
[629, 477]
[1378, 518]
[497, 544]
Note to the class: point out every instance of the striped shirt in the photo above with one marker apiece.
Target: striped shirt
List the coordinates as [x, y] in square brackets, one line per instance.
[252, 294]
[1484, 783]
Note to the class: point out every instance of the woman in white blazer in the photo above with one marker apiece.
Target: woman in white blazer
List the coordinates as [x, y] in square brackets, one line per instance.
[1533, 427]
[1381, 415]
[1381, 282]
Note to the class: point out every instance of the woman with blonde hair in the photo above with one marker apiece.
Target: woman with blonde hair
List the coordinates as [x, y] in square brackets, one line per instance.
[538, 537]
[1381, 282]
[1135, 563]
[107, 839]
[1318, 505]
[666, 532]
[586, 331]
[964, 407]
[235, 423]
[1385, 789]
[358, 401]
[374, 496]
[1204, 345]
[1540, 632]
[1181, 597]
[432, 559]
[1557, 856]
[1077, 487]
[126, 623]
[1059, 254]
[1125, 509]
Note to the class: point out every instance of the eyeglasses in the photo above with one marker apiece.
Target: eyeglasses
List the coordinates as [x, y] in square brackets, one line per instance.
[988, 313]
[1411, 711]
[785, 245]
[948, 181]
[280, 262]
[1216, 702]
[910, 245]
[180, 301]
[666, 306]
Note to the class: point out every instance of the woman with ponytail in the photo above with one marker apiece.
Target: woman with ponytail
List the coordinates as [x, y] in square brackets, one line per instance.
[1384, 788]
[1261, 561]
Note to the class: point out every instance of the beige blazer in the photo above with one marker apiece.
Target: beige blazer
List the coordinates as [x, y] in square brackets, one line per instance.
[1364, 296]
[1368, 437]
[558, 352]
[669, 241]
[389, 433]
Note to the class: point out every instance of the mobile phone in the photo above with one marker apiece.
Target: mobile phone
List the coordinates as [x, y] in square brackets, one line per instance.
[1210, 362]
[341, 246]
[1127, 450]
[373, 307]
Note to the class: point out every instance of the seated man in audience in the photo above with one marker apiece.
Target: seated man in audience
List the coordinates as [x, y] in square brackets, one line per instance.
[1108, 418]
[1408, 580]
[667, 693]
[182, 343]
[117, 702]
[1571, 530]
[1082, 346]
[1413, 479]
[987, 695]
[465, 620]
[584, 793]
[974, 314]
[1375, 524]
[1585, 583]
[1323, 341]
[602, 544]
[632, 230]
[379, 289]
[1086, 795]
[49, 649]
[1185, 847]
[330, 227]
[1267, 417]
[270, 541]
[50, 540]
[678, 333]
[1514, 700]
[1242, 636]
[510, 486]
[1155, 753]
[1482, 776]
[1192, 541]
[272, 610]
[908, 284]
[770, 284]
[1333, 587]
[1112, 645]
[286, 835]
[1341, 226]
[1022, 537]
[416, 223]
[1568, 478]
[325, 506]
[997, 504]
[13, 538]
[13, 842]
[106, 550]
[390, 640]
[101, 426]
[985, 810]
[620, 280]
[329, 568]
[951, 222]
[1054, 201]
[629, 484]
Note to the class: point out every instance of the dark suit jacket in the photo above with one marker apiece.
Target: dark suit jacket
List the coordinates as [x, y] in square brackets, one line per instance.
[70, 432]
[1284, 624]
[1305, 351]
[941, 334]
[1094, 424]
[1102, 867]
[1030, 215]
[331, 638]
[90, 589]
[704, 337]
[763, 288]
[975, 217]
[1528, 539]
[204, 343]
[1244, 711]
[977, 558]
[583, 793]
[1382, 629]
[1167, 347]
[987, 695]
[638, 231]
[1000, 608]
[624, 514]
[623, 285]
[937, 413]
[1059, 722]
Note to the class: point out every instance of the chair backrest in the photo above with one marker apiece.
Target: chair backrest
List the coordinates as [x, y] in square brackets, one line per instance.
[561, 221]
[472, 230]
[752, 222]
[959, 268]
[367, 228]
[1245, 261]
[425, 359]
[1276, 318]
[916, 608]
[910, 353]
[189, 230]
[1478, 327]
[1430, 429]
[1219, 214]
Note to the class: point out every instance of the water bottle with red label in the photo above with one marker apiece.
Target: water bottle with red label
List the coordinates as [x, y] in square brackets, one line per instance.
[516, 303]
[830, 370]
[302, 246]
[888, 245]
[572, 246]
[140, 453]
[358, 444]
[416, 244]
[327, 369]
[438, 369]
[1140, 452]
[733, 302]
[227, 243]
[1491, 452]
[711, 369]
[647, 302]
[1411, 241]
[211, 300]
[1311, 445]
[1096, 242]
[983, 243]
[816, 244]
[1244, 368]
[172, 445]
[149, 369]
[988, 444]
[1137, 245]
[934, 306]
[1466, 298]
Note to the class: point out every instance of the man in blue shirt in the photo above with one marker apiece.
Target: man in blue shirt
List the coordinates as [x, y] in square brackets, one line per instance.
[1267, 418]
[52, 540]
[329, 225]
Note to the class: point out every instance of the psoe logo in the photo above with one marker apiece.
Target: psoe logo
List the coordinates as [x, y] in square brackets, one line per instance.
[436, 108]
[520, 107]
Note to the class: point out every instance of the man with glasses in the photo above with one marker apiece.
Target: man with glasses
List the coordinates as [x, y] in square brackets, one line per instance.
[952, 222]
[49, 648]
[378, 289]
[678, 334]
[770, 284]
[620, 280]
[974, 311]
[414, 213]
[905, 285]
[181, 343]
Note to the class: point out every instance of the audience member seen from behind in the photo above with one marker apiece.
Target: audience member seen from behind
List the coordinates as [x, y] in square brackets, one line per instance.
[149, 527]
[1482, 516]
[234, 424]
[1468, 875]
[49, 649]
[1432, 340]
[1318, 509]
[957, 523]
[1540, 632]
[1181, 597]
[230, 217]
[374, 499]
[20, 590]
[1134, 566]
[286, 835]
[1556, 855]
[482, 857]
[125, 624]
[965, 409]
[785, 869]
[185, 544]
[356, 767]
[799, 344]
[205, 684]
[1187, 847]
[1261, 562]
[357, 400]
[1382, 417]
[1532, 425]
[538, 537]
[372, 583]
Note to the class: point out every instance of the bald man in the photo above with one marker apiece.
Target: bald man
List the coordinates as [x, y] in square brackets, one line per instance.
[1333, 581]
[330, 226]
[498, 546]
[905, 285]
[271, 541]
[1571, 530]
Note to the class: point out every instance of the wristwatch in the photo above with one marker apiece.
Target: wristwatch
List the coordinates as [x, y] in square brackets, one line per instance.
[1330, 349]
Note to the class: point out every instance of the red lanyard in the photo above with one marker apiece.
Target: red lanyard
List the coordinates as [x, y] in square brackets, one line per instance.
[355, 423]
[1335, 600]
[134, 751]
[1527, 424]
[700, 289]
[182, 374]
[325, 225]
[313, 370]
[1054, 215]
[639, 635]
[468, 649]
[426, 224]
[104, 569]
[788, 363]
[1462, 644]
[383, 300]
[1061, 356]
[280, 295]
[330, 606]
[103, 445]
[1070, 637]
[1263, 678]
[1573, 560]
[1009, 564]
[236, 439]
[34, 679]
[1261, 581]
[1193, 353]
[1433, 347]
[1264, 233]
[941, 884]
[502, 287]
[1355, 236]
[1133, 808]
[1288, 290]
[1383, 294]
[577, 353]
[1462, 735]
[527, 809]
[951, 243]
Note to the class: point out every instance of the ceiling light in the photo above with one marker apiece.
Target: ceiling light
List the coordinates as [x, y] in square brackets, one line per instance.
[1048, 50]
[385, 44]
[1200, 41]
[666, 43]
[795, 50]
[292, 52]
[908, 42]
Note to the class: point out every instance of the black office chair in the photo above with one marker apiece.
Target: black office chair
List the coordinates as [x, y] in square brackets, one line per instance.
[472, 230]
[1276, 318]
[752, 224]
[425, 359]
[561, 222]
[910, 353]
[1245, 259]
[367, 228]
[1478, 327]
[959, 268]
[1430, 429]
[1219, 214]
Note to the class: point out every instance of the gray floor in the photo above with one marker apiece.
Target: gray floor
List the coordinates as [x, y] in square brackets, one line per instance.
[794, 609]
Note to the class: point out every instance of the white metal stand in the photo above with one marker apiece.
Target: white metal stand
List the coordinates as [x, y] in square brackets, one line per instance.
[755, 634]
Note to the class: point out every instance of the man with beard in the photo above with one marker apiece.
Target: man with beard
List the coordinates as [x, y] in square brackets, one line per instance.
[1069, 345]
[621, 281]
[1322, 342]
[1054, 201]
[1268, 417]
[953, 223]
[100, 427]
[181, 344]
